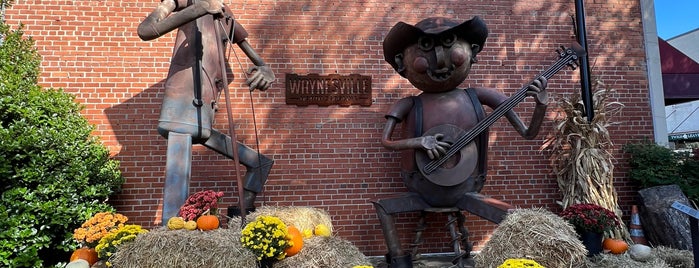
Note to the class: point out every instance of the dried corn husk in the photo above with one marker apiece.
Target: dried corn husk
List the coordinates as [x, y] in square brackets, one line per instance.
[580, 154]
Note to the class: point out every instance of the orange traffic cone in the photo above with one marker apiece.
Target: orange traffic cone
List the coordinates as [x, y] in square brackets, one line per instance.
[635, 228]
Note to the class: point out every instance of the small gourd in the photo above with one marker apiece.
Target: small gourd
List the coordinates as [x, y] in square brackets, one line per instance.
[639, 252]
[79, 263]
[190, 225]
[615, 246]
[175, 223]
[322, 230]
[207, 222]
[307, 233]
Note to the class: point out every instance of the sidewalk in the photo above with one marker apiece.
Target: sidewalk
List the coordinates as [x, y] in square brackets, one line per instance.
[424, 261]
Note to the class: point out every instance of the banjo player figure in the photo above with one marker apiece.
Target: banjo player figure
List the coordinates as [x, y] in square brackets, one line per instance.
[195, 79]
[435, 55]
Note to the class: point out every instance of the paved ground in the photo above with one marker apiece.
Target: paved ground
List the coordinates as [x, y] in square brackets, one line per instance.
[425, 261]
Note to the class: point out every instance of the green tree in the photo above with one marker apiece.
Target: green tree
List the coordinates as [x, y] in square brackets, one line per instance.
[53, 173]
[654, 165]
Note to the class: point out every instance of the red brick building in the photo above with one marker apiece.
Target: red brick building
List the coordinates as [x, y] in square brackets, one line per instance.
[331, 157]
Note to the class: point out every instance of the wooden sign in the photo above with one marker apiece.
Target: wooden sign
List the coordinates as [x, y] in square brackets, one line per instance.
[326, 90]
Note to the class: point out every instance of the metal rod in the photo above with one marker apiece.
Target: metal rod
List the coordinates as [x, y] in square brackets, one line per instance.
[231, 128]
[585, 80]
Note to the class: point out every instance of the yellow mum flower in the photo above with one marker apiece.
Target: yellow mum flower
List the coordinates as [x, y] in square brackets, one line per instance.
[520, 263]
[265, 237]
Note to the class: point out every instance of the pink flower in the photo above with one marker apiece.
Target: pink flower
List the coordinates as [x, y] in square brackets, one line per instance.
[199, 203]
[590, 217]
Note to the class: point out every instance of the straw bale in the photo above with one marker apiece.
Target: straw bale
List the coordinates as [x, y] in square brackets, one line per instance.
[607, 260]
[677, 258]
[535, 234]
[303, 218]
[222, 248]
[182, 248]
[325, 252]
[662, 257]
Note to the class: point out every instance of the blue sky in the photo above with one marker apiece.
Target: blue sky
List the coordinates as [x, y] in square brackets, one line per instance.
[675, 17]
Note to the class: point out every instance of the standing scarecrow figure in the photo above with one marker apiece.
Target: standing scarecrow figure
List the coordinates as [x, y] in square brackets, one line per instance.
[196, 77]
[436, 55]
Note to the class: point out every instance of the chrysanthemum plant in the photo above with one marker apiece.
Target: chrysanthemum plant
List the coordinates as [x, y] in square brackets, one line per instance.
[92, 230]
[199, 203]
[266, 237]
[590, 217]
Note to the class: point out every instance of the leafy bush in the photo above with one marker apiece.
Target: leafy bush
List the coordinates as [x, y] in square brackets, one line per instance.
[53, 174]
[655, 165]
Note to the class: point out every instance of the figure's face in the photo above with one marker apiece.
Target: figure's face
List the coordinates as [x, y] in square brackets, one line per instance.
[437, 63]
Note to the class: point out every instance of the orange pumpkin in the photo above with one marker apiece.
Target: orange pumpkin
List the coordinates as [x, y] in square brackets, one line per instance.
[296, 238]
[615, 246]
[207, 222]
[87, 254]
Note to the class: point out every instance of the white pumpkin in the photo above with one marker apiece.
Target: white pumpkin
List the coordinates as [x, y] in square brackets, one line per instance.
[640, 252]
[79, 263]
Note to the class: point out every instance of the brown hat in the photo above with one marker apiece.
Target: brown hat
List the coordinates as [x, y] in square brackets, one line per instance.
[403, 35]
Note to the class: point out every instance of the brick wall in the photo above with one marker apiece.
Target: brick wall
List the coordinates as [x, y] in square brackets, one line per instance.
[330, 157]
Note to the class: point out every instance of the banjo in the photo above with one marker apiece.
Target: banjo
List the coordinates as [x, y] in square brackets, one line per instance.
[460, 160]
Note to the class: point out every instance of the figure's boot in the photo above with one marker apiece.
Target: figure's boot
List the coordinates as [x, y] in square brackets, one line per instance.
[255, 179]
[405, 261]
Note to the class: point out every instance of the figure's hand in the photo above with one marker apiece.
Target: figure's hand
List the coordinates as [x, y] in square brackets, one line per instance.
[538, 90]
[434, 146]
[260, 77]
[169, 5]
[213, 6]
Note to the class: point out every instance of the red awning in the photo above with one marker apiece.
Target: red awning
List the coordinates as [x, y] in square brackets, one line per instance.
[680, 74]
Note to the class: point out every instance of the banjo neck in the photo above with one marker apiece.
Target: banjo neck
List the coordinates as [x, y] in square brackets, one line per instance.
[567, 57]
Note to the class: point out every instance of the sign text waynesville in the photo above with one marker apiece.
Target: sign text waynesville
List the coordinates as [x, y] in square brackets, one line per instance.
[326, 90]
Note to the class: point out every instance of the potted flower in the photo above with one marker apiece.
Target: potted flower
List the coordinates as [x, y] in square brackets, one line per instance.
[92, 231]
[590, 217]
[590, 222]
[199, 204]
[525, 263]
[266, 237]
[116, 237]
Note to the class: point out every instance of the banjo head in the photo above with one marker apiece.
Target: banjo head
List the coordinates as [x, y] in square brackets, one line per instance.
[456, 169]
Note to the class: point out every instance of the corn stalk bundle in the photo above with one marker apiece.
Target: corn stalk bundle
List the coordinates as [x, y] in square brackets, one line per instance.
[580, 155]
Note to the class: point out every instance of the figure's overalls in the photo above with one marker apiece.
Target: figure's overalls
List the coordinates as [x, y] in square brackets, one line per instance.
[446, 196]
[193, 85]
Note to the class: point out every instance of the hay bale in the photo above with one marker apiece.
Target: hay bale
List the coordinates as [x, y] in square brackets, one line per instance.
[303, 218]
[607, 260]
[182, 248]
[222, 248]
[677, 258]
[325, 252]
[535, 234]
[662, 257]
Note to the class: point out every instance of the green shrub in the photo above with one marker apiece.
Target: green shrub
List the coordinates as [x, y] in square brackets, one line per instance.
[53, 174]
[655, 165]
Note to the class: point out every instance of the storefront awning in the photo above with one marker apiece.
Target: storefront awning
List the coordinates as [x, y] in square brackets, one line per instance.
[683, 121]
[680, 74]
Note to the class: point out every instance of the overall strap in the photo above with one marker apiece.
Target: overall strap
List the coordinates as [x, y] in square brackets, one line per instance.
[417, 103]
[482, 142]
